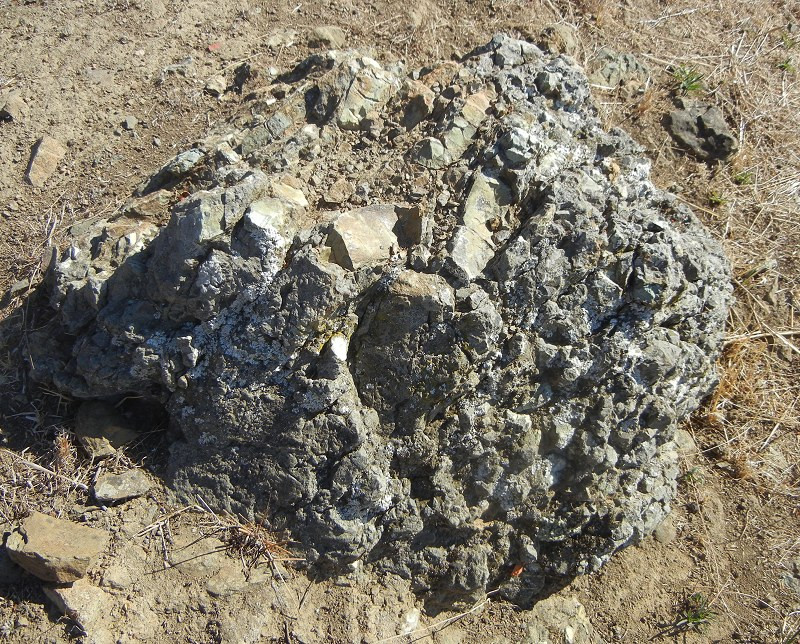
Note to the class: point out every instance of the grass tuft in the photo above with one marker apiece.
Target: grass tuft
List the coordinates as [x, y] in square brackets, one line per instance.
[686, 80]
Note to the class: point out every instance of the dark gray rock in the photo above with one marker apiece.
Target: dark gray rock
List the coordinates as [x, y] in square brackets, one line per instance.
[701, 129]
[488, 377]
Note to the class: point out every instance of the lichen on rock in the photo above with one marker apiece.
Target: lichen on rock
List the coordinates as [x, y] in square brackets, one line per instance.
[476, 363]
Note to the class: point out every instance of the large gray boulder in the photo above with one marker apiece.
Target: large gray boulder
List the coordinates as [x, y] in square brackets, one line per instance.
[474, 368]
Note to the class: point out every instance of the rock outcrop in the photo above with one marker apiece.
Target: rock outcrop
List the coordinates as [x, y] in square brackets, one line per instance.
[468, 374]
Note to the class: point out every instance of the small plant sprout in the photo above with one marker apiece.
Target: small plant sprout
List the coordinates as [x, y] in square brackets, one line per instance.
[716, 199]
[687, 80]
[743, 178]
[787, 66]
[695, 614]
[788, 41]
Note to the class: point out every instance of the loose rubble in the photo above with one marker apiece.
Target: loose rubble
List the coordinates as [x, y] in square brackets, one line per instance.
[469, 364]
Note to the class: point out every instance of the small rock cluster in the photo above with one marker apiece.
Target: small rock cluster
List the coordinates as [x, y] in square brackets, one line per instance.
[438, 323]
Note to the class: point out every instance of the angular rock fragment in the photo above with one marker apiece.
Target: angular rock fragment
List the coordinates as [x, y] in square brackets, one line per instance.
[113, 488]
[86, 604]
[559, 39]
[701, 129]
[327, 36]
[54, 549]
[45, 157]
[12, 107]
[480, 369]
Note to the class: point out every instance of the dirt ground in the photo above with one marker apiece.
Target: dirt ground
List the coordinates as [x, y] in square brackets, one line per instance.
[121, 85]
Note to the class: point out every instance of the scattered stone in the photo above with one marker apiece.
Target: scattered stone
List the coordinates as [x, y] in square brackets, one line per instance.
[559, 39]
[339, 192]
[101, 429]
[368, 88]
[560, 619]
[419, 103]
[685, 443]
[86, 604]
[183, 67]
[45, 157]
[113, 488]
[327, 36]
[130, 122]
[666, 531]
[701, 129]
[614, 70]
[54, 549]
[216, 85]
[363, 237]
[12, 107]
[281, 38]
[493, 342]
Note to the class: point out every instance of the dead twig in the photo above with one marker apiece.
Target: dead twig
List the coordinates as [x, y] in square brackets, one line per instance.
[44, 470]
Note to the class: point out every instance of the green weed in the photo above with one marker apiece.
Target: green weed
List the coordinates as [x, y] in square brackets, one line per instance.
[687, 80]
[716, 199]
[696, 613]
[787, 66]
[743, 178]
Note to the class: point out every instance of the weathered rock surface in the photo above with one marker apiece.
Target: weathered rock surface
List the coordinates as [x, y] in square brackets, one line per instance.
[113, 488]
[701, 129]
[477, 364]
[560, 619]
[87, 605]
[614, 70]
[54, 549]
[45, 157]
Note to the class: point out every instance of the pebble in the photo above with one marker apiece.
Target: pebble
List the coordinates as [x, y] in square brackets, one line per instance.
[12, 108]
[327, 36]
[130, 122]
[339, 192]
[666, 531]
[113, 488]
[216, 85]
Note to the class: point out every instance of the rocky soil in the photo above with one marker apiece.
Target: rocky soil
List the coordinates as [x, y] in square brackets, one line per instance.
[395, 263]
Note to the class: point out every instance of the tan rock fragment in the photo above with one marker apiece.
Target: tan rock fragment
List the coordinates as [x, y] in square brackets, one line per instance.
[45, 157]
[54, 549]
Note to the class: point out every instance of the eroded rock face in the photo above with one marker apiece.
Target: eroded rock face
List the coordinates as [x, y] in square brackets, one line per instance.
[477, 363]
